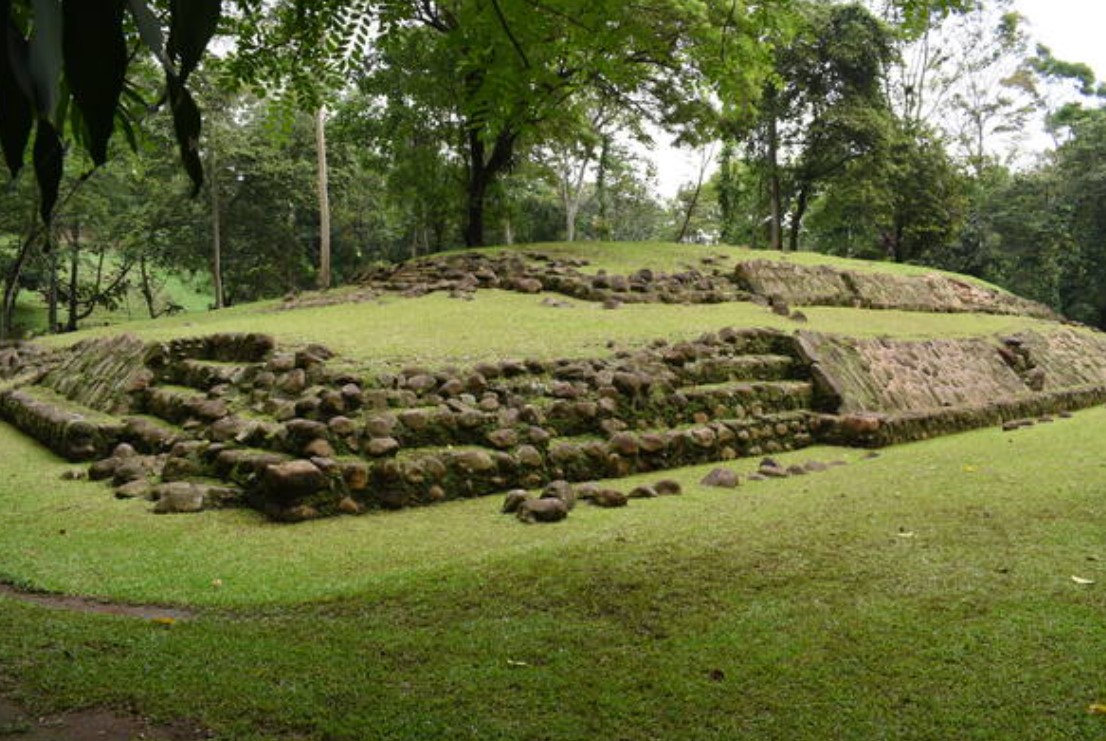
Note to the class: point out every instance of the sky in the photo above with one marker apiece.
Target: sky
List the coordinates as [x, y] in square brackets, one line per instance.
[1073, 29]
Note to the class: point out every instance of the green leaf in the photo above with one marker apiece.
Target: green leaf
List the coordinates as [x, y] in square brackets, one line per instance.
[186, 123]
[149, 29]
[95, 65]
[48, 156]
[16, 115]
[45, 56]
[191, 26]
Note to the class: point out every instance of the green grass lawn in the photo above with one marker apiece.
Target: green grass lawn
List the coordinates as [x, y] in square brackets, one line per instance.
[192, 294]
[438, 330]
[626, 257]
[925, 594]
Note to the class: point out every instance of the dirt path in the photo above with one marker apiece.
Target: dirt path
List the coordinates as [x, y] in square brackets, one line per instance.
[92, 724]
[89, 725]
[87, 605]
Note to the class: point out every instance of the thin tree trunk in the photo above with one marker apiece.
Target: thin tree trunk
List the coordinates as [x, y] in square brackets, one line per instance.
[603, 231]
[11, 278]
[216, 232]
[775, 226]
[147, 289]
[797, 218]
[324, 199]
[52, 293]
[703, 165]
[74, 268]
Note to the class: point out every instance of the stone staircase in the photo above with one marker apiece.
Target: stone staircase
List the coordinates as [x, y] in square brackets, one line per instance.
[301, 437]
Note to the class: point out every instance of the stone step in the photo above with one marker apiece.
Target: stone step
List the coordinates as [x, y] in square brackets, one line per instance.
[151, 435]
[426, 475]
[242, 465]
[202, 375]
[179, 404]
[73, 431]
[226, 347]
[740, 368]
[737, 400]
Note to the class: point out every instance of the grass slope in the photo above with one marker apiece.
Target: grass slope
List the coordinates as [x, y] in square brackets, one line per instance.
[438, 330]
[925, 594]
[626, 257]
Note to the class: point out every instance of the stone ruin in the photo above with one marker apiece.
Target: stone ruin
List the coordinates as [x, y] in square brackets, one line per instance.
[773, 283]
[235, 419]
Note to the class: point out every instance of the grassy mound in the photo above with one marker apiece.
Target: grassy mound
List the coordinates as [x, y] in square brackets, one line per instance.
[916, 595]
[924, 593]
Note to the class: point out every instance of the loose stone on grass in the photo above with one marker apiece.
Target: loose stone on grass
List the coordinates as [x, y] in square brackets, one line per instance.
[668, 487]
[514, 500]
[542, 510]
[608, 498]
[179, 497]
[643, 492]
[721, 477]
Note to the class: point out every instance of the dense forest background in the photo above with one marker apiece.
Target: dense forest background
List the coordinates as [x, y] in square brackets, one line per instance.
[333, 138]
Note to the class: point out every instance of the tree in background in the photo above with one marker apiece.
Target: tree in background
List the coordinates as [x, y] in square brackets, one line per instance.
[823, 108]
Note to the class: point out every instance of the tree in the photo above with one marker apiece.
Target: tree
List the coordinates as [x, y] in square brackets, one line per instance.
[823, 108]
[63, 69]
[322, 184]
[526, 69]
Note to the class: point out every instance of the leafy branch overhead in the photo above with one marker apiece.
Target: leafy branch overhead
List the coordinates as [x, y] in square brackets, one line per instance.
[63, 63]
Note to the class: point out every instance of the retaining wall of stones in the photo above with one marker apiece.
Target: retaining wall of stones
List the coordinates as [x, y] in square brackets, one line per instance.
[303, 439]
[48, 418]
[824, 285]
[892, 391]
[880, 430]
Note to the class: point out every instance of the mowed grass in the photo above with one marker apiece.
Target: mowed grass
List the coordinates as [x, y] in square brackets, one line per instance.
[626, 257]
[437, 330]
[924, 594]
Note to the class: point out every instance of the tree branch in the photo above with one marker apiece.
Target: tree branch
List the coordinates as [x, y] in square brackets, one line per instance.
[510, 34]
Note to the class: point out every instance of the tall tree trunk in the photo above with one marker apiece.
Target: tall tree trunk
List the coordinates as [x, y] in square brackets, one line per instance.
[797, 215]
[478, 191]
[775, 216]
[216, 231]
[324, 199]
[52, 293]
[603, 231]
[483, 170]
[11, 278]
[74, 269]
[572, 207]
[708, 155]
[147, 287]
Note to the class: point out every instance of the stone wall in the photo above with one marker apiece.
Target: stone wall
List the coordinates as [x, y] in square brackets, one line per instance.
[299, 437]
[823, 285]
[886, 391]
[883, 375]
[44, 415]
[101, 374]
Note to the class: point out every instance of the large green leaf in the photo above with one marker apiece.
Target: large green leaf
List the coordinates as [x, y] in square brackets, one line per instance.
[149, 29]
[45, 57]
[186, 123]
[191, 26]
[49, 155]
[95, 65]
[16, 115]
